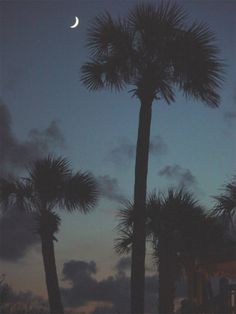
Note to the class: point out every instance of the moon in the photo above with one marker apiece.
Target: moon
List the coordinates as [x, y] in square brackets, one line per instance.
[76, 22]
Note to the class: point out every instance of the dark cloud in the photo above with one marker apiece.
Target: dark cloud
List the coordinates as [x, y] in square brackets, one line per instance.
[15, 153]
[109, 188]
[114, 289]
[75, 271]
[123, 265]
[79, 274]
[182, 176]
[17, 235]
[125, 150]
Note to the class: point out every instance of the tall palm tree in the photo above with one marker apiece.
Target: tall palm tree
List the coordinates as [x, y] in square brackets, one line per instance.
[153, 52]
[50, 184]
[180, 233]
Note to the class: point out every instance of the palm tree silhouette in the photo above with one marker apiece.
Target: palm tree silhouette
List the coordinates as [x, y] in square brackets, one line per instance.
[155, 53]
[50, 184]
[180, 232]
[226, 204]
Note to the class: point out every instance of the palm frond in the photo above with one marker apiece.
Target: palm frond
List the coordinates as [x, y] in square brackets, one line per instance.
[107, 37]
[149, 17]
[7, 191]
[110, 47]
[226, 202]
[15, 193]
[198, 70]
[92, 75]
[125, 216]
[123, 244]
[80, 192]
[47, 176]
[24, 194]
[124, 228]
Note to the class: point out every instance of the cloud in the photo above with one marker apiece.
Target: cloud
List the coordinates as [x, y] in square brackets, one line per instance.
[122, 152]
[123, 265]
[114, 290]
[182, 176]
[15, 153]
[17, 235]
[157, 146]
[109, 188]
[125, 150]
[75, 271]
[230, 118]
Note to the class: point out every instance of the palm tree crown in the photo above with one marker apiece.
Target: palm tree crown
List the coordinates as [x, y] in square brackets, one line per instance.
[155, 52]
[50, 184]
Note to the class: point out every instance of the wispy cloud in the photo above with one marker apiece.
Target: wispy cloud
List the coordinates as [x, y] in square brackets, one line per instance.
[109, 188]
[125, 150]
[16, 153]
[230, 118]
[181, 176]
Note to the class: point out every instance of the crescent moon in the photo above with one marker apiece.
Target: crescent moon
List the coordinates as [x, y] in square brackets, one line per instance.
[76, 23]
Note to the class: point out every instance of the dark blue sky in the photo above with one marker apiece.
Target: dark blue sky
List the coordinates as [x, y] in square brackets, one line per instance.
[40, 83]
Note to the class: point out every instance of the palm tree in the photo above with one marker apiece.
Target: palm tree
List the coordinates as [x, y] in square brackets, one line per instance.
[226, 204]
[153, 52]
[50, 184]
[180, 233]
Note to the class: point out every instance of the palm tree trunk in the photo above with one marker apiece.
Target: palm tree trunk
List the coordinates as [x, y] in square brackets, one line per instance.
[190, 270]
[138, 248]
[49, 262]
[167, 273]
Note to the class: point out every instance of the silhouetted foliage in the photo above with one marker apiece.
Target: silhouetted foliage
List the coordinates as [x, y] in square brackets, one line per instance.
[50, 184]
[226, 204]
[180, 233]
[153, 52]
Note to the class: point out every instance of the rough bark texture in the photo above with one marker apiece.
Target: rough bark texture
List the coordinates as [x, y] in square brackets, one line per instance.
[54, 296]
[138, 249]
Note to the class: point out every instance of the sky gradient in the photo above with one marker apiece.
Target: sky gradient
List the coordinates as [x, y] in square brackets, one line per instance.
[45, 108]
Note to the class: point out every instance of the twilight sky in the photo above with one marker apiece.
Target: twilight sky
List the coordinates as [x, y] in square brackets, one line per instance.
[45, 108]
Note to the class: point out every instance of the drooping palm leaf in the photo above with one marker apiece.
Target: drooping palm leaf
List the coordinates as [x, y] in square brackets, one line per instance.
[80, 192]
[226, 204]
[197, 68]
[124, 228]
[15, 192]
